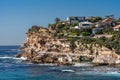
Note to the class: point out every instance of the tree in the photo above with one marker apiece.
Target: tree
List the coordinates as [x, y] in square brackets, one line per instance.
[57, 20]
[109, 16]
[86, 31]
[108, 29]
[34, 28]
[75, 24]
[52, 26]
[94, 19]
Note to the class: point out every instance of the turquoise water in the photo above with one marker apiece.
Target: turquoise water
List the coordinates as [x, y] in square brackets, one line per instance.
[12, 68]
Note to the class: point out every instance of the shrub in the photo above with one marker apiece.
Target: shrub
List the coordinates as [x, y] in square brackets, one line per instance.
[34, 29]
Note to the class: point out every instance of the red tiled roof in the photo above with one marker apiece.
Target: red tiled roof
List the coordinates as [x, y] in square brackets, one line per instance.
[107, 20]
[117, 26]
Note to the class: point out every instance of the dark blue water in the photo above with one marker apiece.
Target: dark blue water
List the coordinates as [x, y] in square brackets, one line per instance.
[12, 68]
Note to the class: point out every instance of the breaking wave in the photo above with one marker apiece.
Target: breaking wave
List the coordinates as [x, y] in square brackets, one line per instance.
[68, 70]
[8, 57]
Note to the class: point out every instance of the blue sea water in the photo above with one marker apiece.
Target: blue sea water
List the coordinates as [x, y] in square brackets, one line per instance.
[12, 68]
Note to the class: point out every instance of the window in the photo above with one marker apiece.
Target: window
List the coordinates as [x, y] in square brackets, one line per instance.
[85, 24]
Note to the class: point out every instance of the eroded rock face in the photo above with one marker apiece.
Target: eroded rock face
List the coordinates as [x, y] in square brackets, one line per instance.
[101, 54]
[41, 47]
[106, 56]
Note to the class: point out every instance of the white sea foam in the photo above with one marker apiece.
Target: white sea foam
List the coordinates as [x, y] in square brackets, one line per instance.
[68, 70]
[82, 64]
[23, 58]
[6, 57]
[9, 57]
[49, 64]
[113, 73]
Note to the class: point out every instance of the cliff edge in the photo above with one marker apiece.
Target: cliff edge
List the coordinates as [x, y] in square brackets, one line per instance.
[42, 47]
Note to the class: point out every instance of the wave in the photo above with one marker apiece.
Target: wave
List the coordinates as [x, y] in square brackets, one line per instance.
[9, 57]
[114, 73]
[49, 64]
[6, 57]
[68, 70]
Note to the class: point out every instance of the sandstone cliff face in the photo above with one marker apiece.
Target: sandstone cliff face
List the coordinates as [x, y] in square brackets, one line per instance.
[101, 54]
[43, 41]
[106, 56]
[41, 47]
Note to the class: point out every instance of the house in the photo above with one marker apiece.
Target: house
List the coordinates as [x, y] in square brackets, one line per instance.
[107, 21]
[75, 19]
[85, 24]
[117, 27]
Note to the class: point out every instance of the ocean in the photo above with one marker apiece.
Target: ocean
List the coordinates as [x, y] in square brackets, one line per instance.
[12, 68]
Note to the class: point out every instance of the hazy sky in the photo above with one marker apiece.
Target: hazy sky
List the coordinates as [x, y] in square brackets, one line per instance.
[16, 16]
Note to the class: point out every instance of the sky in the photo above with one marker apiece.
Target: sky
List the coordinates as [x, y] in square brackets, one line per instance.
[17, 16]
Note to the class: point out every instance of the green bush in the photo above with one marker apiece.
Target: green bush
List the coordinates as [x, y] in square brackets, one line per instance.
[34, 29]
[85, 33]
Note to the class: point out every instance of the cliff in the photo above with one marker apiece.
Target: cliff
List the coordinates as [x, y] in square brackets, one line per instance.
[42, 47]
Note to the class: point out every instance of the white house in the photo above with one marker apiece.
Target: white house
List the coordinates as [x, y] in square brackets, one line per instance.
[85, 24]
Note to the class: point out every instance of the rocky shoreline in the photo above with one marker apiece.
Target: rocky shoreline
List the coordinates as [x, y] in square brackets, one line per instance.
[42, 47]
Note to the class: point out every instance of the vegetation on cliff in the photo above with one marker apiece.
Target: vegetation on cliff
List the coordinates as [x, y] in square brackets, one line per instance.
[61, 29]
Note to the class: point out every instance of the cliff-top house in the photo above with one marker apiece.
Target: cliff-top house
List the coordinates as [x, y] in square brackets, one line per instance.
[85, 24]
[117, 27]
[107, 21]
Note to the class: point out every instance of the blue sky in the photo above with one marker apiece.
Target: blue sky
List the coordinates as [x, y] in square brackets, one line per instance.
[16, 16]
